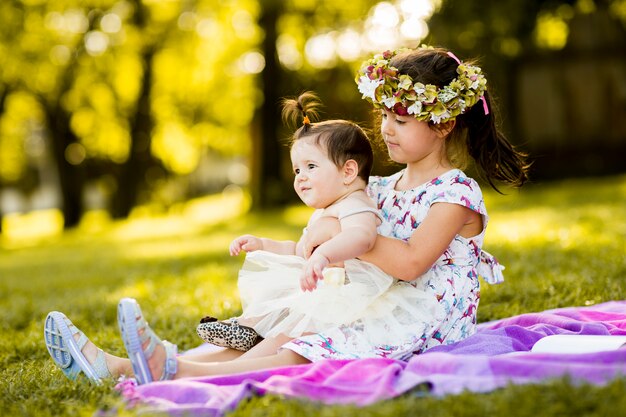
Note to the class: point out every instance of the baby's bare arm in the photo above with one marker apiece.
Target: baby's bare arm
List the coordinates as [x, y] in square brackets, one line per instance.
[320, 231]
[250, 243]
[357, 236]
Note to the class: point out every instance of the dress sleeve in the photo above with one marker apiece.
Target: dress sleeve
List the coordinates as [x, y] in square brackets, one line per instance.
[372, 188]
[460, 189]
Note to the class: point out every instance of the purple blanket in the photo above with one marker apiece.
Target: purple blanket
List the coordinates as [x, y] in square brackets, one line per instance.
[498, 354]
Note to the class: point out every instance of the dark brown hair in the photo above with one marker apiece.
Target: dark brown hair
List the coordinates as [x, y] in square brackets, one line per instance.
[342, 139]
[475, 133]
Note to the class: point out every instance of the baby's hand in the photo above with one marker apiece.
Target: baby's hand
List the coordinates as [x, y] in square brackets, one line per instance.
[313, 271]
[247, 243]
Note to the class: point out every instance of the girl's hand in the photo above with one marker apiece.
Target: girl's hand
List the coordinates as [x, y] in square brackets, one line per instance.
[247, 243]
[319, 232]
[313, 271]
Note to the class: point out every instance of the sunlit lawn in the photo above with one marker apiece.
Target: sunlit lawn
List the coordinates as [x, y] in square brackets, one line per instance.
[563, 244]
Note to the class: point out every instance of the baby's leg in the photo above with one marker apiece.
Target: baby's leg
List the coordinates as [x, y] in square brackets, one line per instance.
[266, 347]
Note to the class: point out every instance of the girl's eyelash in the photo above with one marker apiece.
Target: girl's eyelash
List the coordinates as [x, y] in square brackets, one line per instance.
[384, 116]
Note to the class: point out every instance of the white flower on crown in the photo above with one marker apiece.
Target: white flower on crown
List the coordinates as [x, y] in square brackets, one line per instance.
[462, 105]
[415, 108]
[389, 102]
[446, 94]
[368, 87]
[437, 119]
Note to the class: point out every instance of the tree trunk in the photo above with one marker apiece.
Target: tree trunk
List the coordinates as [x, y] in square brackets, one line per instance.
[267, 187]
[71, 177]
[132, 175]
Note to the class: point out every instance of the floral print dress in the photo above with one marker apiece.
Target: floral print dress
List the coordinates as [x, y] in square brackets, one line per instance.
[437, 308]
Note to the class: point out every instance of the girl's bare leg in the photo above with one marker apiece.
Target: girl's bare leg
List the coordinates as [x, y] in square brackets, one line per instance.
[122, 366]
[283, 358]
[264, 356]
[224, 354]
[219, 364]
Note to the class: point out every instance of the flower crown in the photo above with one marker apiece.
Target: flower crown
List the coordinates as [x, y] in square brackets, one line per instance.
[384, 87]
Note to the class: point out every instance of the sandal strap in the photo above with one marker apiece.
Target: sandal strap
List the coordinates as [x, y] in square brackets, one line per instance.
[147, 335]
[70, 325]
[82, 341]
[170, 367]
[100, 365]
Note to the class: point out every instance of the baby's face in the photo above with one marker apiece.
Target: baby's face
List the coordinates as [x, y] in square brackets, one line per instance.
[318, 181]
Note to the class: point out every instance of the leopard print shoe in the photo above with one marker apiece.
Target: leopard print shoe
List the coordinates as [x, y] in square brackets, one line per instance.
[228, 334]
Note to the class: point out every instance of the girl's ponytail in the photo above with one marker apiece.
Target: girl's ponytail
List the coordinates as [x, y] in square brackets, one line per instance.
[491, 150]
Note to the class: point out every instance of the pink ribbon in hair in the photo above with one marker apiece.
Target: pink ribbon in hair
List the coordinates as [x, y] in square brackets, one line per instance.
[482, 98]
[451, 55]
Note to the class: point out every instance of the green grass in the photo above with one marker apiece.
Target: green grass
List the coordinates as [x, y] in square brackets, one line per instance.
[563, 244]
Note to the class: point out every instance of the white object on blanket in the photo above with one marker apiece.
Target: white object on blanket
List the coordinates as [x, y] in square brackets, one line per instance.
[578, 343]
[334, 277]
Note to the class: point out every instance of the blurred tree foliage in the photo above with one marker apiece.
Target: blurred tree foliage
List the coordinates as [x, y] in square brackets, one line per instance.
[125, 94]
[122, 92]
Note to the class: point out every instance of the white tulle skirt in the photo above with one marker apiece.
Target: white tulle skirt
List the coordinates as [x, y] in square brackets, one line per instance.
[370, 300]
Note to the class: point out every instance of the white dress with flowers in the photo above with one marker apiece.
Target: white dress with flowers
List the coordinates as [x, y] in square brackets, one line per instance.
[437, 308]
[273, 303]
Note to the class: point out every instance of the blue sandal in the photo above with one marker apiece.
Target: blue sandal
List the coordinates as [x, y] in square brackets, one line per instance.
[67, 353]
[135, 333]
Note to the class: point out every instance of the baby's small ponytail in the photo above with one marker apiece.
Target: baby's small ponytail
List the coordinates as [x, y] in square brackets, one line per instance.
[340, 139]
[303, 108]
